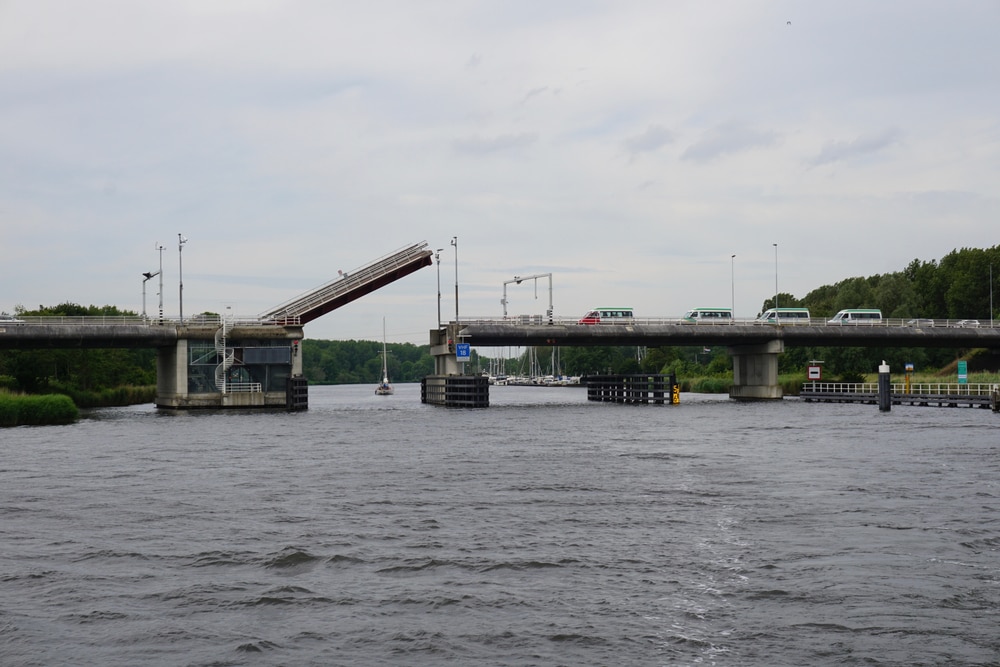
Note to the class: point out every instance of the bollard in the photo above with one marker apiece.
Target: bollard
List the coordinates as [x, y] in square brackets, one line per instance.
[884, 388]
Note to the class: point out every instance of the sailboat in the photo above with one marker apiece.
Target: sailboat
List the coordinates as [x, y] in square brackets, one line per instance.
[384, 388]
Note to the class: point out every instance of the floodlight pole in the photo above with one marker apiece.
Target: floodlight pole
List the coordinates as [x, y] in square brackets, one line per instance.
[732, 273]
[180, 272]
[145, 277]
[437, 256]
[159, 246]
[775, 280]
[454, 242]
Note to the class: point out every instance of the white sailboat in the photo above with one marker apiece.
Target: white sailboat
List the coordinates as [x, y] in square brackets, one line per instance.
[384, 388]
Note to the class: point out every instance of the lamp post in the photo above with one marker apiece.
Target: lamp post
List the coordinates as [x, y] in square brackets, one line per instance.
[775, 279]
[437, 256]
[159, 246]
[454, 242]
[732, 274]
[146, 276]
[180, 273]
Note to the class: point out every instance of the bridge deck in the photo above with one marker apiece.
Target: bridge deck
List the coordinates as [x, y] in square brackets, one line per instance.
[352, 285]
[500, 334]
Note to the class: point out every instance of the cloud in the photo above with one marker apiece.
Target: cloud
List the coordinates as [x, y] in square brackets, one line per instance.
[504, 142]
[726, 139]
[839, 151]
[534, 92]
[654, 138]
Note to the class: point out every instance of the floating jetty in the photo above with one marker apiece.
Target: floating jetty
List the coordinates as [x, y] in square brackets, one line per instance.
[933, 394]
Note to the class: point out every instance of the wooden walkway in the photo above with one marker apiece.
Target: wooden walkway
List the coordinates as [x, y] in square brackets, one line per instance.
[933, 394]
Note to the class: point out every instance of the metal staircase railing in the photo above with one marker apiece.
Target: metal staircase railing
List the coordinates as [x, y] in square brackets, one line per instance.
[221, 371]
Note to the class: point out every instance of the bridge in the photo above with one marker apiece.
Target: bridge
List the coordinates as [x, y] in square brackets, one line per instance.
[754, 345]
[211, 361]
[658, 332]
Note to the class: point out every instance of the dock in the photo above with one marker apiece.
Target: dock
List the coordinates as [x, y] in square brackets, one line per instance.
[932, 394]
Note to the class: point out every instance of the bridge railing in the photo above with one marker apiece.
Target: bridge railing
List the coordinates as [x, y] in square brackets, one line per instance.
[926, 388]
[347, 282]
[244, 387]
[139, 320]
[747, 321]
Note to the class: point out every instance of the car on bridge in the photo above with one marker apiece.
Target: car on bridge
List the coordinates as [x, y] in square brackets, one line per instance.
[708, 316]
[967, 323]
[920, 322]
[9, 319]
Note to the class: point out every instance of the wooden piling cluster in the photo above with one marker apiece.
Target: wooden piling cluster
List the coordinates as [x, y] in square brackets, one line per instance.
[634, 388]
[456, 391]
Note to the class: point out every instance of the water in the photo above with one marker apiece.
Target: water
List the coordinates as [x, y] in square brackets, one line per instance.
[543, 530]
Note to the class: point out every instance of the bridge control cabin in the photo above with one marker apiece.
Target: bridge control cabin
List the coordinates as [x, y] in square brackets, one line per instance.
[251, 366]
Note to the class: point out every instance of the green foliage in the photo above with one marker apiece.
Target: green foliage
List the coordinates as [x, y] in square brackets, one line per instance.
[20, 409]
[360, 361]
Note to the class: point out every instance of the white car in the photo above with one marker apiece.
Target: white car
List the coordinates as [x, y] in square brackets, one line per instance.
[967, 323]
[9, 319]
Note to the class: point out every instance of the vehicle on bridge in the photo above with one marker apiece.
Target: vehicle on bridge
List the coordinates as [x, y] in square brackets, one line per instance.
[9, 319]
[708, 316]
[608, 316]
[785, 316]
[857, 316]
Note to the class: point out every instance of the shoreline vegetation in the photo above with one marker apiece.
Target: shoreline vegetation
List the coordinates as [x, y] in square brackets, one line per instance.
[36, 410]
[63, 406]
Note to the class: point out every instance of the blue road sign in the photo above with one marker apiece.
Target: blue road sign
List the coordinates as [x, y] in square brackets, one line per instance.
[463, 351]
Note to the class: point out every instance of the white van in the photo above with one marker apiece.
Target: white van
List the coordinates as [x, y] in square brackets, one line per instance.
[708, 316]
[785, 316]
[857, 316]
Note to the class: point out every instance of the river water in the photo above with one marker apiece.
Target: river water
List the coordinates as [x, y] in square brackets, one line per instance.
[543, 530]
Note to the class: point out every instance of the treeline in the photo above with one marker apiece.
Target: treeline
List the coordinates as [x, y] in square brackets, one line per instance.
[90, 377]
[959, 286]
[360, 361]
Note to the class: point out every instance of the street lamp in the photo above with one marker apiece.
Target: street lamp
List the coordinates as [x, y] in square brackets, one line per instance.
[146, 276]
[180, 273]
[732, 273]
[437, 256]
[159, 246]
[775, 279]
[454, 242]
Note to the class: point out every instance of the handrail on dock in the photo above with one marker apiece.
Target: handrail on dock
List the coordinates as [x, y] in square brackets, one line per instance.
[920, 388]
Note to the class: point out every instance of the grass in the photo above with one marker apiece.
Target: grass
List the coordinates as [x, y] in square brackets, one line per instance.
[26, 410]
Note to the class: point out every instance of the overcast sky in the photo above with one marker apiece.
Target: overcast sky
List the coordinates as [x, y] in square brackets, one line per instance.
[628, 148]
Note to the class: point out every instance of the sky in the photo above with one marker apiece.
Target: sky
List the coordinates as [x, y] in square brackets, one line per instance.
[625, 150]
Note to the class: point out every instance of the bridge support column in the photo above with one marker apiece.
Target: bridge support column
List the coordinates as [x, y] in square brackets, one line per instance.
[445, 361]
[171, 374]
[755, 371]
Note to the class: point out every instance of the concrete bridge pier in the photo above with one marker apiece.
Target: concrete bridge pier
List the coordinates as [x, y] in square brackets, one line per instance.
[261, 367]
[755, 371]
[448, 387]
[443, 342]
